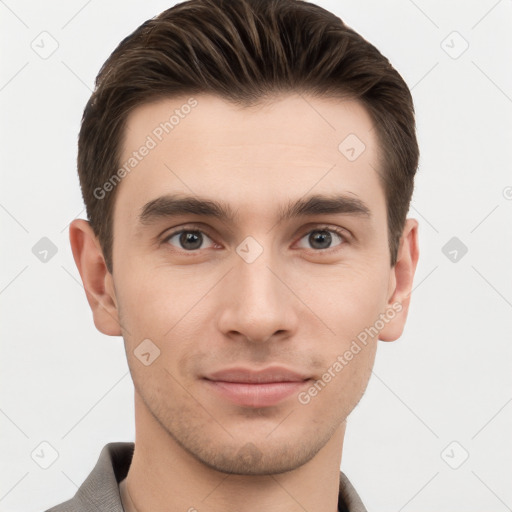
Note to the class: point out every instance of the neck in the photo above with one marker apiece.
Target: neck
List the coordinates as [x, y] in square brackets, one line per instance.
[164, 476]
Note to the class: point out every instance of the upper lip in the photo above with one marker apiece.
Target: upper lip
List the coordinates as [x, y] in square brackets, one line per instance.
[269, 374]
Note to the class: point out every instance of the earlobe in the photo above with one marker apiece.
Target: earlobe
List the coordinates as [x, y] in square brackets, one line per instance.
[97, 280]
[401, 281]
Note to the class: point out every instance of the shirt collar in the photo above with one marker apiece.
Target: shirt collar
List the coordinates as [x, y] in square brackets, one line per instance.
[100, 490]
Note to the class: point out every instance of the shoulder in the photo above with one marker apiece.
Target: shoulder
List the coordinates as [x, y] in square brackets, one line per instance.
[100, 490]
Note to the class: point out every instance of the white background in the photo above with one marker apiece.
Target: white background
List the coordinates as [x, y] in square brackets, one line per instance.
[447, 379]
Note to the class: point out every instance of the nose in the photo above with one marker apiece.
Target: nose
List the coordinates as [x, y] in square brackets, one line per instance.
[257, 303]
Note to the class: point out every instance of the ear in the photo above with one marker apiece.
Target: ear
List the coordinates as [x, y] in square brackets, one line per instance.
[400, 283]
[97, 280]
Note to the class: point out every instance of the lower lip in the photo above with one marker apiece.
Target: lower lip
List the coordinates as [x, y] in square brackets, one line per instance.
[256, 395]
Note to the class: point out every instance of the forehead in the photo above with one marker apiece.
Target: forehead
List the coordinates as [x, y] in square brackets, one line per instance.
[286, 119]
[253, 157]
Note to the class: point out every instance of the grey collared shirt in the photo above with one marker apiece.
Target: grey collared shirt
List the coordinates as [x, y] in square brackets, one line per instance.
[100, 490]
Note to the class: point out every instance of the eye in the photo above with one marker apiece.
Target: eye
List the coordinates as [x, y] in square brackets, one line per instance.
[188, 239]
[321, 238]
[192, 239]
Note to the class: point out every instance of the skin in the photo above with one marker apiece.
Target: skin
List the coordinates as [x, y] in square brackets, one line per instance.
[208, 309]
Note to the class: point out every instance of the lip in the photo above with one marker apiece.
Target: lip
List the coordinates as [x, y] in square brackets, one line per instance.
[256, 388]
[265, 375]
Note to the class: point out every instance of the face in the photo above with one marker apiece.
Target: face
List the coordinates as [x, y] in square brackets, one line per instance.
[253, 289]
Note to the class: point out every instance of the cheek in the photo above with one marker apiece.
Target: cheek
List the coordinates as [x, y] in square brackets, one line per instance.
[351, 307]
[160, 303]
[333, 396]
[349, 300]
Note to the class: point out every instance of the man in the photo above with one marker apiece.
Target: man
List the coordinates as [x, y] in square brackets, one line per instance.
[281, 146]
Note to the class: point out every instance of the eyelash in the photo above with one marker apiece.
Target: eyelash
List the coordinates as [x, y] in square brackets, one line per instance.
[194, 229]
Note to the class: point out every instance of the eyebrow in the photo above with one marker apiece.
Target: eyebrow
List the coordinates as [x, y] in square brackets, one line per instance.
[174, 205]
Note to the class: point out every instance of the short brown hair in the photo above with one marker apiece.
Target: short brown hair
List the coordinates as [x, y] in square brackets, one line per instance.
[244, 51]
